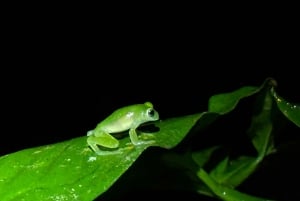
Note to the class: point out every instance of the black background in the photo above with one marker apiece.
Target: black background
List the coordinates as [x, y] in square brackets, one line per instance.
[43, 105]
[55, 87]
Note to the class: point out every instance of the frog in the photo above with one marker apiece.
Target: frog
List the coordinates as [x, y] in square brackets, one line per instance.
[123, 119]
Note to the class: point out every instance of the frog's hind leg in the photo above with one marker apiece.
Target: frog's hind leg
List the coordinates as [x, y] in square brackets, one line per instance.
[106, 141]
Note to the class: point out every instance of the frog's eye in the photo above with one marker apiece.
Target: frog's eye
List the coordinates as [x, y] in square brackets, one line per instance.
[151, 112]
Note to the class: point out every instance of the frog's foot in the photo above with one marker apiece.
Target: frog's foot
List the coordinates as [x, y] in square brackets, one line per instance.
[118, 151]
[141, 142]
[107, 152]
[147, 136]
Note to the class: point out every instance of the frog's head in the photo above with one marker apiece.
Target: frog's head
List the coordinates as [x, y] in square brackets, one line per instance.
[151, 114]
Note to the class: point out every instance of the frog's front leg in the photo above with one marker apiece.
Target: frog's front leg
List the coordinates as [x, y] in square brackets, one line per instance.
[135, 140]
[102, 139]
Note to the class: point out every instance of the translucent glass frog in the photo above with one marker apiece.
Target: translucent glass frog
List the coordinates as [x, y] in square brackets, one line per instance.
[125, 118]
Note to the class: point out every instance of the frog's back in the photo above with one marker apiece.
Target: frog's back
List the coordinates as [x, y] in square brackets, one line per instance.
[122, 119]
[128, 117]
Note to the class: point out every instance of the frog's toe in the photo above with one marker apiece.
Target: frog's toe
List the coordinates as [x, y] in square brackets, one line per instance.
[103, 153]
[147, 136]
[143, 142]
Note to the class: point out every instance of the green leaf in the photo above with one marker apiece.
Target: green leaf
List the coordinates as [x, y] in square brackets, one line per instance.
[226, 102]
[202, 157]
[290, 110]
[71, 171]
[260, 130]
[233, 172]
[229, 173]
[224, 192]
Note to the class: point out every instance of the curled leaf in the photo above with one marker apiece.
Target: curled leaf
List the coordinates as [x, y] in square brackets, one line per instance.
[290, 110]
